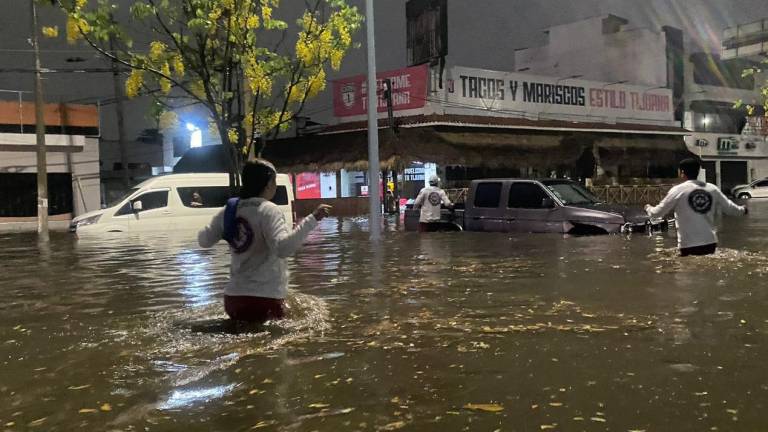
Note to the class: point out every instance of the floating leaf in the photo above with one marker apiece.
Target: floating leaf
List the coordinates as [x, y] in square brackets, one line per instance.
[597, 419]
[484, 407]
[547, 426]
[106, 407]
[393, 426]
[78, 387]
[555, 404]
[318, 405]
[87, 410]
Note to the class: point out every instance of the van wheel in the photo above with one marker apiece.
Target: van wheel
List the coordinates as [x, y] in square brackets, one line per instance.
[745, 196]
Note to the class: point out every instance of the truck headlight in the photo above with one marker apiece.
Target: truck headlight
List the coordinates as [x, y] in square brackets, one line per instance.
[89, 220]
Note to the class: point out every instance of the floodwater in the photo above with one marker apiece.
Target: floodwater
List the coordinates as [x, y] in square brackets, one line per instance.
[438, 332]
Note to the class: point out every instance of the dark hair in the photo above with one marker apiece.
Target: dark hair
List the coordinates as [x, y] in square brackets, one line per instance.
[690, 167]
[256, 176]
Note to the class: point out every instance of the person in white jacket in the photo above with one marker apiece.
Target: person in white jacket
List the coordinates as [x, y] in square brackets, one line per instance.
[260, 241]
[695, 204]
[430, 201]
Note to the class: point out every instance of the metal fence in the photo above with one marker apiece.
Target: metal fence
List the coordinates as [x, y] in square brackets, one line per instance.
[631, 195]
[620, 194]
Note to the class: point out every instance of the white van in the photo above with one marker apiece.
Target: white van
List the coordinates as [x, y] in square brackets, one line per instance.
[173, 202]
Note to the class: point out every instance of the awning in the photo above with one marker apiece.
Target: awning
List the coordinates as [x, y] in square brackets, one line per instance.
[471, 141]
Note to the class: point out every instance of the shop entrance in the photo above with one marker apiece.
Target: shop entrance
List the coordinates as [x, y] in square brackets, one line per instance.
[733, 173]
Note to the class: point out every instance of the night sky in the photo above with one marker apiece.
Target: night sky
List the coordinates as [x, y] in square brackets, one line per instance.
[493, 29]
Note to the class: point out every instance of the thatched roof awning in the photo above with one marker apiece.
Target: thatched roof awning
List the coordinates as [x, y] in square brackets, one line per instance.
[457, 144]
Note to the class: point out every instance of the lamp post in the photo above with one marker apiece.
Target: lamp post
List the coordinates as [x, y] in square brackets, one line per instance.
[374, 200]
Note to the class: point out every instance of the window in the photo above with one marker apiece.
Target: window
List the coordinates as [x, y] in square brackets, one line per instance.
[526, 195]
[281, 196]
[763, 183]
[488, 195]
[204, 197]
[149, 201]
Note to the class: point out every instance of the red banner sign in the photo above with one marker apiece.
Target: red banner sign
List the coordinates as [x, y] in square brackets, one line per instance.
[308, 186]
[409, 91]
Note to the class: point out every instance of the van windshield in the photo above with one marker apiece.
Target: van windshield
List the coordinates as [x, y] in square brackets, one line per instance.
[123, 197]
[571, 193]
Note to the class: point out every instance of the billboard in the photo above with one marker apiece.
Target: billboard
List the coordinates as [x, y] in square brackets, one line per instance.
[497, 93]
[308, 186]
[409, 91]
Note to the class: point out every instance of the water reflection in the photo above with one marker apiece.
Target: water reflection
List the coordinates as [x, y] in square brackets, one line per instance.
[406, 334]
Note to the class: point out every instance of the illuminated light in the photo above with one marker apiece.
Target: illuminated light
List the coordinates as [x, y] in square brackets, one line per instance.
[191, 127]
[196, 138]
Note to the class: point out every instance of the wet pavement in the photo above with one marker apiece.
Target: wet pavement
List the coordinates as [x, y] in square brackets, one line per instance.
[460, 331]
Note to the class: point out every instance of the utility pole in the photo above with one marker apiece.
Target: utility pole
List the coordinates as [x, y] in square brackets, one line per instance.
[374, 199]
[120, 114]
[42, 163]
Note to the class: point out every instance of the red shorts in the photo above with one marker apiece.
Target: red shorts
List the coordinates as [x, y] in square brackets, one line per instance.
[253, 309]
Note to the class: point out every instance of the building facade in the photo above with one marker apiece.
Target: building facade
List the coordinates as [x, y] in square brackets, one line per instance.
[72, 162]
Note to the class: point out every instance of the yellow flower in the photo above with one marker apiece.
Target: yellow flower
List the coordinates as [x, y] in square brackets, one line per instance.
[156, 50]
[75, 28]
[165, 84]
[336, 56]
[258, 80]
[50, 32]
[316, 84]
[215, 14]
[178, 65]
[169, 120]
[266, 12]
[79, 4]
[252, 22]
[134, 82]
[232, 135]
[197, 88]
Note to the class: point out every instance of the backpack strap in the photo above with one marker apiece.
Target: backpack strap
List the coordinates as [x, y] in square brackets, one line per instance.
[230, 216]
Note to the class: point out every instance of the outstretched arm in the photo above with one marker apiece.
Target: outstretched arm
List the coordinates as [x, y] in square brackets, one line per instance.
[446, 200]
[665, 206]
[211, 234]
[279, 238]
[728, 206]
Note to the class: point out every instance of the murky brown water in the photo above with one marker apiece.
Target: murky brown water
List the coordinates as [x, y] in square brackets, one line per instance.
[538, 331]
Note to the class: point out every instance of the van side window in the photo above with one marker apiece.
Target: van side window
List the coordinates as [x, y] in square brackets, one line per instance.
[149, 201]
[281, 196]
[204, 196]
[526, 195]
[763, 183]
[488, 195]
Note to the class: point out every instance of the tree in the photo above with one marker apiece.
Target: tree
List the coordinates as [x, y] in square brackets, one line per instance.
[229, 56]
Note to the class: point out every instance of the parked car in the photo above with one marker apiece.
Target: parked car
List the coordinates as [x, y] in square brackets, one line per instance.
[172, 202]
[756, 189]
[545, 206]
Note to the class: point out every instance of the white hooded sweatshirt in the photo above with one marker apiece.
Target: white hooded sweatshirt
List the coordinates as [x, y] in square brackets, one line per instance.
[261, 246]
[429, 201]
[695, 204]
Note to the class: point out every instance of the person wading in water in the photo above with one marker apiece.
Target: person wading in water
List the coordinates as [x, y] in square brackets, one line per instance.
[259, 242]
[695, 204]
[430, 200]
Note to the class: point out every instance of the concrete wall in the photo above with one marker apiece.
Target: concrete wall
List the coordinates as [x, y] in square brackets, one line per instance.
[81, 159]
[582, 48]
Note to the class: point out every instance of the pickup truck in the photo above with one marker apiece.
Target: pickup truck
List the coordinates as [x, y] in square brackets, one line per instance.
[539, 206]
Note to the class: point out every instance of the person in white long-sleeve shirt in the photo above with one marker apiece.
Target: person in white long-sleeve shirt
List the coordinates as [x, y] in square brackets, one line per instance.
[695, 204]
[260, 241]
[430, 201]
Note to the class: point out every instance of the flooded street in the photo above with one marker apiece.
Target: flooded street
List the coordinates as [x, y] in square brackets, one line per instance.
[440, 332]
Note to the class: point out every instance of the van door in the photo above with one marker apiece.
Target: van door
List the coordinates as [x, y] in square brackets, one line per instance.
[487, 212]
[760, 189]
[153, 216]
[527, 200]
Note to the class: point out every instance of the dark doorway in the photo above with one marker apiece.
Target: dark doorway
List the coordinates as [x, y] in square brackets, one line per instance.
[585, 165]
[711, 171]
[732, 173]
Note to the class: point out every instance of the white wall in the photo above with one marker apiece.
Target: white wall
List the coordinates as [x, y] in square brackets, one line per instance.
[637, 56]
[84, 165]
